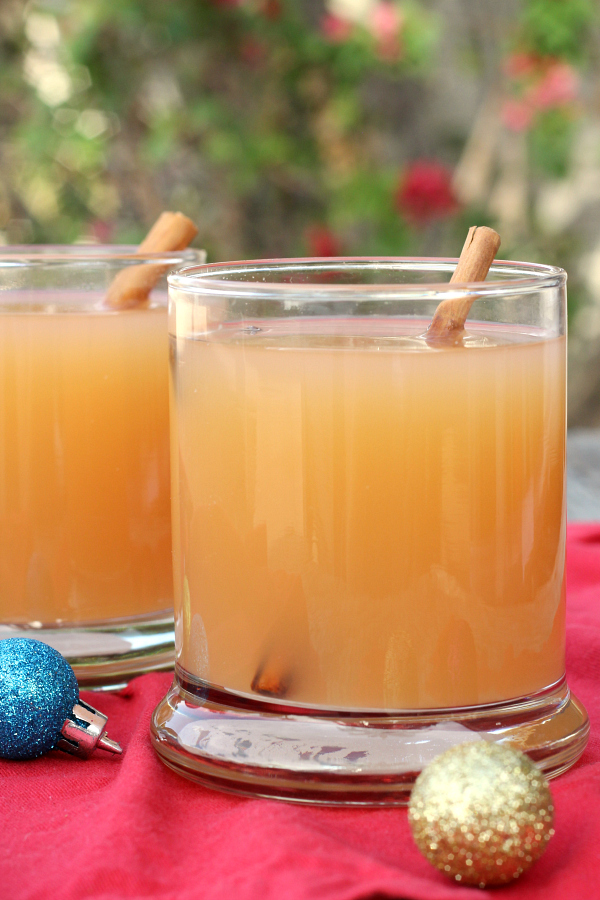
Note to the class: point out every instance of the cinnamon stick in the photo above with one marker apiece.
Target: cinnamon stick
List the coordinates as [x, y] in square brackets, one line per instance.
[477, 255]
[287, 641]
[172, 231]
[273, 676]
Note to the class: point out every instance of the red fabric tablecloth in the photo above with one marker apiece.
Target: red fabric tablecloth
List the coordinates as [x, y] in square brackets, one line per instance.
[117, 828]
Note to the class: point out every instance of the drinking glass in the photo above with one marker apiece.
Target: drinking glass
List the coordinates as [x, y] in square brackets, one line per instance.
[369, 527]
[85, 537]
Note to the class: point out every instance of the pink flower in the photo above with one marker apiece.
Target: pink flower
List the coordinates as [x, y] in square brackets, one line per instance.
[558, 86]
[102, 231]
[425, 192]
[336, 29]
[517, 114]
[386, 26]
[536, 83]
[322, 241]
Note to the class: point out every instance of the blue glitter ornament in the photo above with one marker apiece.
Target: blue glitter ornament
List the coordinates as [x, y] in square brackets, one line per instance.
[40, 707]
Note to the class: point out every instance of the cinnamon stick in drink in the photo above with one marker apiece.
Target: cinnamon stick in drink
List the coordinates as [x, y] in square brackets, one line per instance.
[288, 641]
[172, 231]
[477, 255]
[276, 672]
[274, 676]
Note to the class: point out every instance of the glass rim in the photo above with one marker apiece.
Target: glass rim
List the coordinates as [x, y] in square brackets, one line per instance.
[520, 277]
[25, 255]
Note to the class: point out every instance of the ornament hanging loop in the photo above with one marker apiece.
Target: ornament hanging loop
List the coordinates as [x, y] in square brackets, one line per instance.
[83, 732]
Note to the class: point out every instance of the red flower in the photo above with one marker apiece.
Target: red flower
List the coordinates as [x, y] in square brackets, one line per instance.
[322, 241]
[425, 192]
[521, 65]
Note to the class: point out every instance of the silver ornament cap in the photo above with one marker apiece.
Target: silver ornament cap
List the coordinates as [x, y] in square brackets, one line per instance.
[83, 732]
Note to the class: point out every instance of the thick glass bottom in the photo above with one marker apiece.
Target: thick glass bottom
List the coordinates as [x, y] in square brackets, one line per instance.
[244, 745]
[107, 655]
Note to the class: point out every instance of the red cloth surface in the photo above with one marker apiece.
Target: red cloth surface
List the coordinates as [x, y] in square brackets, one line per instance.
[114, 828]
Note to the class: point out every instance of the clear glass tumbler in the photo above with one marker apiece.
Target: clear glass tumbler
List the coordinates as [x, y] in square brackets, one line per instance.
[369, 528]
[85, 536]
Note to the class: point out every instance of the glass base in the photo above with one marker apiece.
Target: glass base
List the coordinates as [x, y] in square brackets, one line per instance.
[243, 745]
[107, 655]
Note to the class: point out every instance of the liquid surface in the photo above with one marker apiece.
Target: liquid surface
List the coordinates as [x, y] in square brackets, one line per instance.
[84, 467]
[366, 521]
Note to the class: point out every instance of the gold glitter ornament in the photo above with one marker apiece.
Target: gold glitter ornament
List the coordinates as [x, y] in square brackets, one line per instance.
[481, 813]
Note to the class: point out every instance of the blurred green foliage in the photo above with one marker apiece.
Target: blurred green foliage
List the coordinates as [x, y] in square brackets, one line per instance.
[558, 27]
[550, 143]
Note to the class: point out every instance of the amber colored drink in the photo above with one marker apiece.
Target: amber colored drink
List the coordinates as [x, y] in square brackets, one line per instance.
[84, 467]
[380, 520]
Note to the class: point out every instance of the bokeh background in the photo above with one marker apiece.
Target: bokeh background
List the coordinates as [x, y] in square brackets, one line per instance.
[322, 127]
